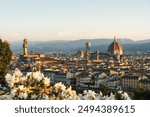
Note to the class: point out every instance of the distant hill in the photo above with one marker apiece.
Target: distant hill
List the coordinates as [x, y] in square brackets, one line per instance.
[143, 41]
[68, 46]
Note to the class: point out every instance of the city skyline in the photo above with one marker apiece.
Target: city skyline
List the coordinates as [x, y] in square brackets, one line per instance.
[72, 20]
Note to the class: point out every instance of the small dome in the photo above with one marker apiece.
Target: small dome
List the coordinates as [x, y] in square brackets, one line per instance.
[80, 54]
[115, 48]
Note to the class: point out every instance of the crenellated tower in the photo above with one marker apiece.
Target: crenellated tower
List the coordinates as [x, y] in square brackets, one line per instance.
[25, 47]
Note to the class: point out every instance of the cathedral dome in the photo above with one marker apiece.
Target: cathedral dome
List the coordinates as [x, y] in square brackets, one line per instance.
[115, 48]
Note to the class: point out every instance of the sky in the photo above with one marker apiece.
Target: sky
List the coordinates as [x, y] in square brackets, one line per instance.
[74, 19]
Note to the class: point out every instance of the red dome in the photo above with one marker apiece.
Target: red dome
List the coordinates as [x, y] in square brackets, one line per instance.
[115, 48]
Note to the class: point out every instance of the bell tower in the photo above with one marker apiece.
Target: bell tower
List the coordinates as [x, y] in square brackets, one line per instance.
[25, 47]
[88, 46]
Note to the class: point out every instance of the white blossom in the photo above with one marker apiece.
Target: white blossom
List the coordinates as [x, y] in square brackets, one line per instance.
[17, 73]
[59, 87]
[8, 78]
[21, 87]
[47, 81]
[23, 95]
[45, 97]
[34, 96]
[13, 91]
[125, 96]
[34, 85]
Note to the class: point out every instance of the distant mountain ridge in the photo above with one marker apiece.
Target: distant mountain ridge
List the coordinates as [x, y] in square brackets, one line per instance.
[74, 45]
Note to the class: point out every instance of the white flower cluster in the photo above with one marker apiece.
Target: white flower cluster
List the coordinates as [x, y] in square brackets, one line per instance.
[31, 86]
[35, 86]
[63, 93]
[124, 95]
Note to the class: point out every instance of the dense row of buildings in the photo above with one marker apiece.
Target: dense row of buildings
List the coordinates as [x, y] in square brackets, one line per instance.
[90, 70]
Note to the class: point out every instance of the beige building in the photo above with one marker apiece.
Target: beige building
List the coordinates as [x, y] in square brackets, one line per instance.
[130, 82]
[133, 82]
[145, 84]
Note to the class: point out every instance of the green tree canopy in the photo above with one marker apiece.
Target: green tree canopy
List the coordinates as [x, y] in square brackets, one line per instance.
[5, 58]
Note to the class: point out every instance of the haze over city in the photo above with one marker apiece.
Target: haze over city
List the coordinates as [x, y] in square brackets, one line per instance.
[74, 19]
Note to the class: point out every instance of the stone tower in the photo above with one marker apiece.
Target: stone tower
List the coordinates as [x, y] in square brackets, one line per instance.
[88, 46]
[25, 47]
[97, 55]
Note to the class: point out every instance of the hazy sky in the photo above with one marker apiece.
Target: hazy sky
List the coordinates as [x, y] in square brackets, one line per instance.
[74, 19]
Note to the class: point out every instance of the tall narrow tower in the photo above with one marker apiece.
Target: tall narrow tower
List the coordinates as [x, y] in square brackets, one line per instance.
[25, 47]
[88, 46]
[97, 55]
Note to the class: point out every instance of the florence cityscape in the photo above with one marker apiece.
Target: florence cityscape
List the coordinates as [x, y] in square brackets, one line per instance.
[74, 50]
